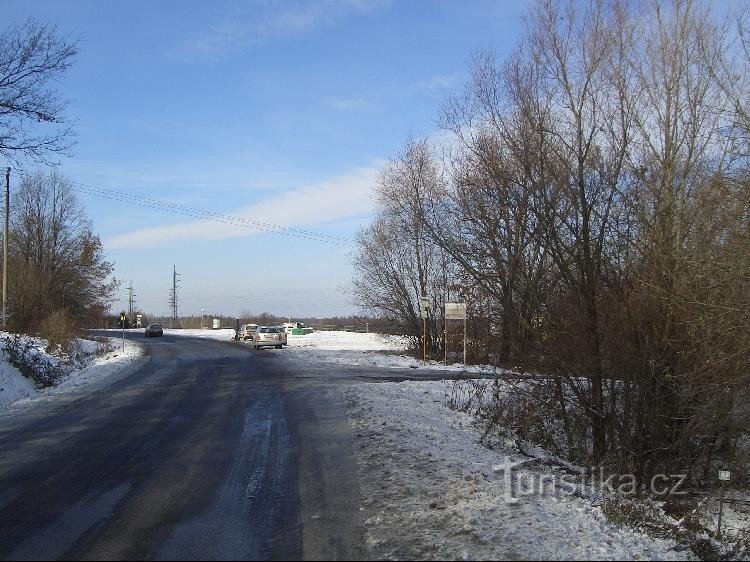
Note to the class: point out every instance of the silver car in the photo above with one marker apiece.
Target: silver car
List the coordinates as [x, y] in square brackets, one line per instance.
[269, 336]
[247, 331]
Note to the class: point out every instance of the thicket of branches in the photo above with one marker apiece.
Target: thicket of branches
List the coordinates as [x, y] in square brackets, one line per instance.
[33, 58]
[593, 208]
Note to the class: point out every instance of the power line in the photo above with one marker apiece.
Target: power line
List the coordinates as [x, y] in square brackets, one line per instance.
[244, 222]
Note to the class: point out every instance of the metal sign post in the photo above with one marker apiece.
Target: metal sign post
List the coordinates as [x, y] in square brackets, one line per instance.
[455, 311]
[424, 306]
[445, 343]
[5, 248]
[122, 323]
[724, 476]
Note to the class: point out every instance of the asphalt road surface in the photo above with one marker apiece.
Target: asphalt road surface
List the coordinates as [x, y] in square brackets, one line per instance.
[210, 450]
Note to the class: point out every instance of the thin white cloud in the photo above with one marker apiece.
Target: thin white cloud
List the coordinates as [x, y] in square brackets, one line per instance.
[438, 84]
[261, 21]
[348, 104]
[337, 199]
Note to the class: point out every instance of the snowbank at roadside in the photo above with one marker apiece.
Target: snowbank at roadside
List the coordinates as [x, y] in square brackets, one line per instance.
[431, 491]
[92, 362]
[13, 385]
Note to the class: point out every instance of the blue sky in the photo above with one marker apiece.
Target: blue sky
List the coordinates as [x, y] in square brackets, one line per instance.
[281, 112]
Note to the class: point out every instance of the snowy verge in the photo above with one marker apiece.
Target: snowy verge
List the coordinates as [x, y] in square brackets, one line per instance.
[368, 350]
[95, 363]
[353, 349]
[431, 491]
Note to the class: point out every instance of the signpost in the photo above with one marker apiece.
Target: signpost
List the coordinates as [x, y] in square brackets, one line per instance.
[454, 311]
[424, 307]
[724, 476]
[122, 323]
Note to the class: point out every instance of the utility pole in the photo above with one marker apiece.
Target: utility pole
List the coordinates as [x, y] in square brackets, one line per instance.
[173, 298]
[5, 248]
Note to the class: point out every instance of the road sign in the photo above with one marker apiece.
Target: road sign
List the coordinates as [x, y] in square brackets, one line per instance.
[122, 324]
[455, 311]
[424, 306]
[724, 475]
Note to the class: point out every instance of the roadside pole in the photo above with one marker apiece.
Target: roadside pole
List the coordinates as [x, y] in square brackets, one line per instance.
[5, 248]
[445, 343]
[464, 340]
[122, 323]
[455, 311]
[724, 476]
[424, 307]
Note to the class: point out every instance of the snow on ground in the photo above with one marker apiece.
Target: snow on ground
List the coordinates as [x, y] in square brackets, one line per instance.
[95, 363]
[346, 348]
[102, 366]
[431, 491]
[224, 334]
[369, 350]
[13, 385]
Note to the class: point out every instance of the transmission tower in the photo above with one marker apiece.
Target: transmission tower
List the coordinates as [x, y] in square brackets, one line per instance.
[131, 300]
[174, 299]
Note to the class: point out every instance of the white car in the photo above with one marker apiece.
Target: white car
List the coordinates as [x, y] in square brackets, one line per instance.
[269, 336]
[247, 331]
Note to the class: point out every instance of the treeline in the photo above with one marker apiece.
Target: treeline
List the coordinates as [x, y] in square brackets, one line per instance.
[350, 323]
[590, 200]
[58, 277]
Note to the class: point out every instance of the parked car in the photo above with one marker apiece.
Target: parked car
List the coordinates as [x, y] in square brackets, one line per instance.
[247, 331]
[154, 330]
[269, 336]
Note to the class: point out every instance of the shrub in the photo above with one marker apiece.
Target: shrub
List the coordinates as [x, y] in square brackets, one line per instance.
[24, 355]
[60, 329]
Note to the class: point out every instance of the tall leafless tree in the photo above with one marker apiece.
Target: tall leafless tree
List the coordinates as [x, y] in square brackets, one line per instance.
[33, 125]
[58, 261]
[595, 193]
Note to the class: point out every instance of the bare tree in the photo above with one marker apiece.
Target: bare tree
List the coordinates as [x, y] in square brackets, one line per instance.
[32, 113]
[598, 199]
[397, 261]
[487, 221]
[688, 207]
[58, 261]
[575, 51]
